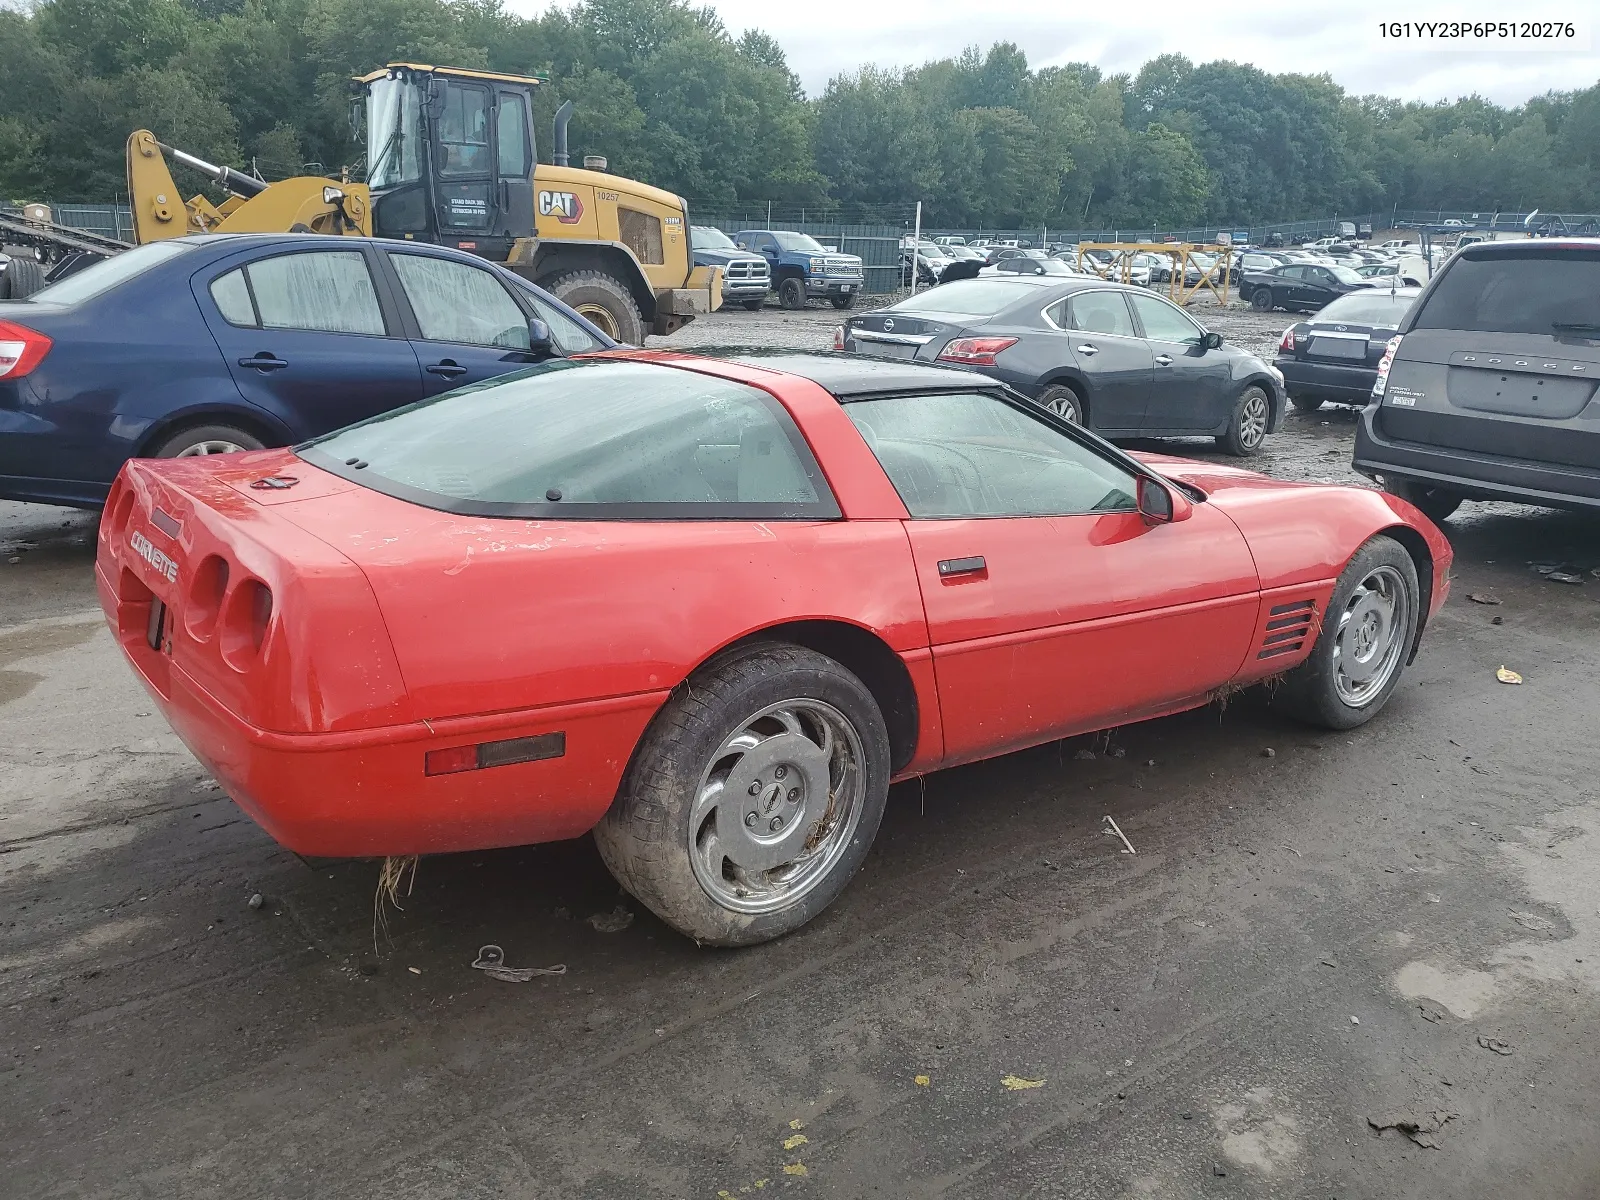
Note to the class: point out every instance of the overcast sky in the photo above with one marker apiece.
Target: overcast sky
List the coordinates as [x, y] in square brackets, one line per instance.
[823, 38]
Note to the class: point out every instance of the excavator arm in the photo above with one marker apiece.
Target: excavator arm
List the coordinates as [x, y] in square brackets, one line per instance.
[304, 204]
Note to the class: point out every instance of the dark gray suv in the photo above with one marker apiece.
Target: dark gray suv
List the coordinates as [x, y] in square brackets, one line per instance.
[1489, 392]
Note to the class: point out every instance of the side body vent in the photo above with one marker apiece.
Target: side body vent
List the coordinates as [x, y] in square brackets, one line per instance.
[1288, 627]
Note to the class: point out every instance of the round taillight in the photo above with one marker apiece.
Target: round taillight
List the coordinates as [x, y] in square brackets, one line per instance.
[206, 590]
[246, 614]
[122, 509]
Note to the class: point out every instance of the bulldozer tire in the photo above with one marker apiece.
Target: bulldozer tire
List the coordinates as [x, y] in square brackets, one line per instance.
[23, 277]
[602, 301]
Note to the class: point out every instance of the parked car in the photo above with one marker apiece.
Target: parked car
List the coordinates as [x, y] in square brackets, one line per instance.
[1397, 245]
[1113, 357]
[950, 240]
[803, 269]
[226, 342]
[1334, 355]
[746, 277]
[1028, 265]
[1491, 388]
[1391, 273]
[1302, 286]
[710, 609]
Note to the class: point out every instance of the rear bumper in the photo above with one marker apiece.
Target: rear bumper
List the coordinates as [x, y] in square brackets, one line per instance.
[1476, 476]
[364, 793]
[1329, 381]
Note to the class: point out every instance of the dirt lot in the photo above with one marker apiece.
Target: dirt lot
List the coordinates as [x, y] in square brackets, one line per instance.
[1400, 923]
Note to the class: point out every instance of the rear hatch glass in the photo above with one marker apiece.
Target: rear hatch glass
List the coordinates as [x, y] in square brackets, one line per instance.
[1503, 358]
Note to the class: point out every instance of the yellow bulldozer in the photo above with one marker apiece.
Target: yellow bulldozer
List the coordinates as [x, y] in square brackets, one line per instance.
[451, 160]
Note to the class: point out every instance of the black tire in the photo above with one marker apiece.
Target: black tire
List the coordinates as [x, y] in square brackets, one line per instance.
[1436, 503]
[1261, 299]
[23, 277]
[842, 302]
[792, 293]
[1247, 423]
[602, 300]
[1064, 402]
[645, 837]
[186, 442]
[1310, 692]
[1306, 404]
[755, 305]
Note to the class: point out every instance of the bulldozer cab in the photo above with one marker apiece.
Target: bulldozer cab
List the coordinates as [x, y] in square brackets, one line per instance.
[450, 156]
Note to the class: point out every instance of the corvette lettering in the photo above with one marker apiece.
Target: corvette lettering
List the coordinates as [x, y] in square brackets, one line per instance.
[163, 565]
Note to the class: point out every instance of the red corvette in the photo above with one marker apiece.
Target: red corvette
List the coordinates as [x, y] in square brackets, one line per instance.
[710, 609]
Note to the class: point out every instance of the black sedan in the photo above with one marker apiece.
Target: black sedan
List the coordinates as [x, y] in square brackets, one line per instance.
[1115, 358]
[1334, 355]
[1299, 286]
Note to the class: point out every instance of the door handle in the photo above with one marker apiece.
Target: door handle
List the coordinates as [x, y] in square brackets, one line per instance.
[951, 567]
[263, 362]
[1088, 349]
[1163, 360]
[447, 369]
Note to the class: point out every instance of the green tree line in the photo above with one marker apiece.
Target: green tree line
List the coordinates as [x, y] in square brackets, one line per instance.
[670, 96]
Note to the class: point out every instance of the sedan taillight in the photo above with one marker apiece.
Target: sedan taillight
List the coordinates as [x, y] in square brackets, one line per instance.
[838, 337]
[1287, 344]
[975, 351]
[21, 349]
[1381, 384]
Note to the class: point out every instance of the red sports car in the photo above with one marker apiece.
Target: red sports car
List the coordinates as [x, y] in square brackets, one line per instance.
[711, 609]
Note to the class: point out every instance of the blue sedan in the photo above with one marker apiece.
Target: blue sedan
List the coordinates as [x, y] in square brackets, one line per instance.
[212, 344]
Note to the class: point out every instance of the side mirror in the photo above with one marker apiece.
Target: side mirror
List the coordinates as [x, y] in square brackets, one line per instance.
[1161, 504]
[539, 336]
[1212, 341]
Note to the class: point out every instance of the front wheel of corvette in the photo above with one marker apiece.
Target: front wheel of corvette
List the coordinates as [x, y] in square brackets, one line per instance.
[753, 796]
[1362, 647]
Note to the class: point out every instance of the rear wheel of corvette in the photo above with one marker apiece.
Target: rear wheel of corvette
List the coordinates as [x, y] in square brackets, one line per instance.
[206, 439]
[1247, 423]
[1362, 648]
[1436, 503]
[753, 796]
[1306, 404]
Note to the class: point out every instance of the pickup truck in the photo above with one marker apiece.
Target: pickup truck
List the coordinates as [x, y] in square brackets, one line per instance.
[802, 267]
[746, 277]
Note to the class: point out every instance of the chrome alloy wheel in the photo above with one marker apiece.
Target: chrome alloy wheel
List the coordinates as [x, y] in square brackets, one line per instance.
[209, 446]
[1253, 421]
[777, 806]
[1370, 638]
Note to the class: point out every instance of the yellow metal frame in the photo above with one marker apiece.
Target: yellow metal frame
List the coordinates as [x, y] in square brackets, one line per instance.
[1179, 252]
[459, 72]
[282, 207]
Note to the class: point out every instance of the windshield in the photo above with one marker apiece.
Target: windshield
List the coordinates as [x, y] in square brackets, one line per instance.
[1367, 308]
[803, 242]
[574, 439]
[968, 297]
[704, 237]
[394, 133]
[108, 272]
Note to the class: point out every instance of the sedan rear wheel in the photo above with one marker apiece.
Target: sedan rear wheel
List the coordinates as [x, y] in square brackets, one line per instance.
[753, 797]
[1247, 425]
[1365, 639]
[206, 439]
[1064, 402]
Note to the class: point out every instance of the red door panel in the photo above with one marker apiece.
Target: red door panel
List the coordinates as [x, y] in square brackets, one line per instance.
[1076, 623]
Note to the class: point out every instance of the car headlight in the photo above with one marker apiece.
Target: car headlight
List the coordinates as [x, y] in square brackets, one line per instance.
[816, 266]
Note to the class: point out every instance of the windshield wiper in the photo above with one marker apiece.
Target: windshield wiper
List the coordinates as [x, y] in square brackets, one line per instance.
[1576, 326]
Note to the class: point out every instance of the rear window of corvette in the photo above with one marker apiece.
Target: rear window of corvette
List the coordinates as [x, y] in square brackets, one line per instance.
[589, 439]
